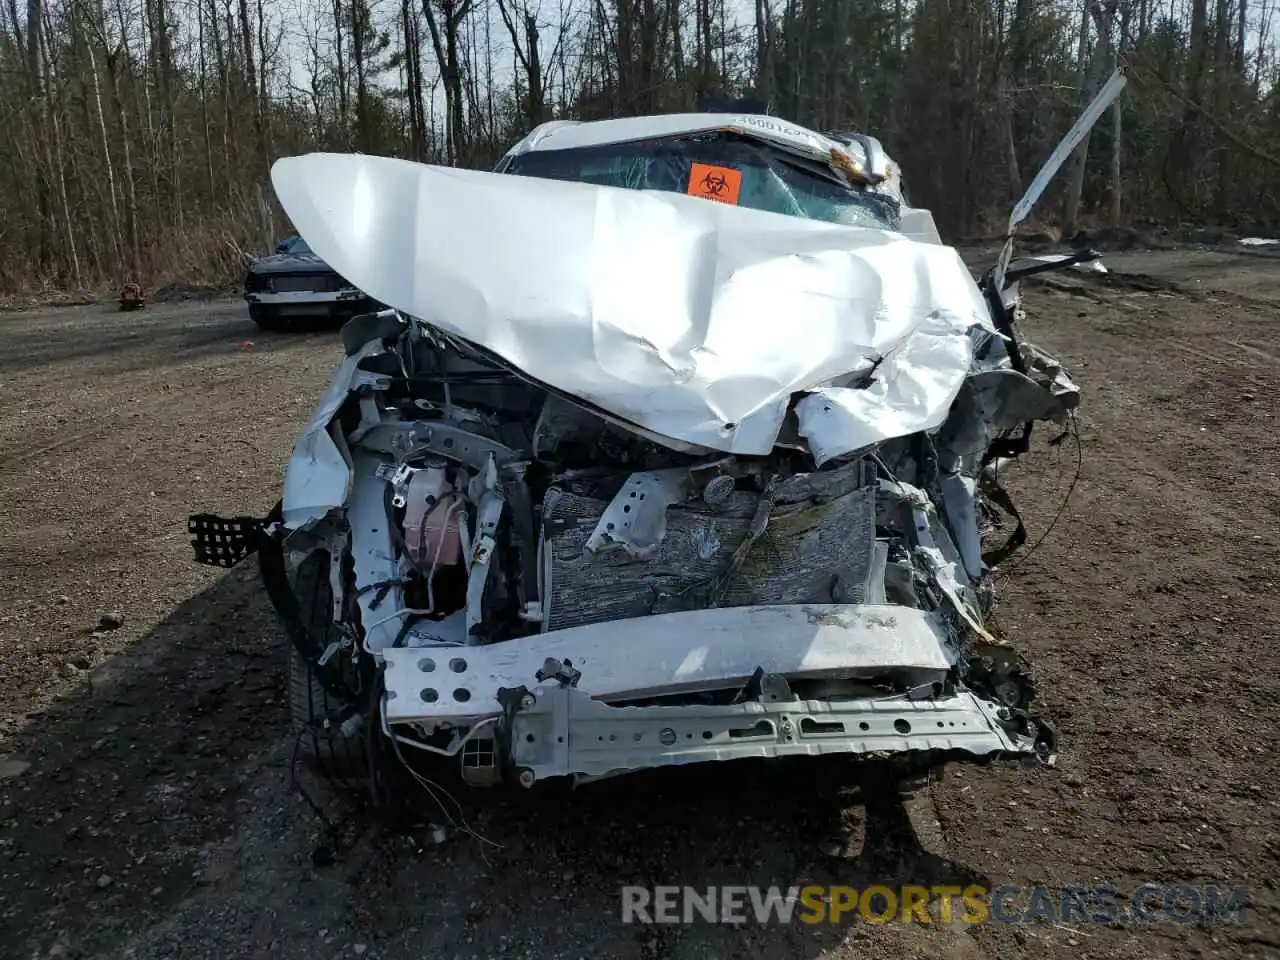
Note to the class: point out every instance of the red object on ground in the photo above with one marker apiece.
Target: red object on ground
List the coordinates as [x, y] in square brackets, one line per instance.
[131, 297]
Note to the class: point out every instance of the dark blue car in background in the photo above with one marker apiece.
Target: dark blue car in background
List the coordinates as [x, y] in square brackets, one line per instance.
[295, 288]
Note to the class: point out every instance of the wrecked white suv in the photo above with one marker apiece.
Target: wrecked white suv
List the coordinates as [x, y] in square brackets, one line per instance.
[678, 446]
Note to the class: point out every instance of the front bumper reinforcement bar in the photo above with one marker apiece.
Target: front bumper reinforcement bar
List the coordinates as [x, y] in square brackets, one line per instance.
[559, 731]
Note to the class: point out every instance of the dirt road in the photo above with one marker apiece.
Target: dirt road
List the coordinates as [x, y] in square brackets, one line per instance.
[145, 809]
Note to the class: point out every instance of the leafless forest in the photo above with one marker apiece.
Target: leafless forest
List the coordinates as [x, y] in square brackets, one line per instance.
[139, 133]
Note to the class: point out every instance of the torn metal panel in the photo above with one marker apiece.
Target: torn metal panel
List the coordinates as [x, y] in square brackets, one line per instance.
[919, 225]
[1049, 373]
[917, 382]
[318, 477]
[379, 592]
[692, 347]
[1006, 398]
[1091, 266]
[959, 497]
[637, 517]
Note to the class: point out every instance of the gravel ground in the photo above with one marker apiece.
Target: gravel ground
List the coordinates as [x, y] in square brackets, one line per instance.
[145, 803]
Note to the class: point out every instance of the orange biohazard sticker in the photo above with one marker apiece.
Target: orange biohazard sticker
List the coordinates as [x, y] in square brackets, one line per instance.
[715, 183]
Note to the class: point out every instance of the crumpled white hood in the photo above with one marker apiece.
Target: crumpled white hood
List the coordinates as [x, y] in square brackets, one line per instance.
[695, 320]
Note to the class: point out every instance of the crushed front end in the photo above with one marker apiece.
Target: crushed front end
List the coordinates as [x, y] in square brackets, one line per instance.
[533, 590]
[633, 479]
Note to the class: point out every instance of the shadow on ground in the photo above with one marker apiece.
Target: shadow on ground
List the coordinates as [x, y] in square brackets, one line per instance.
[158, 810]
[564, 860]
[138, 768]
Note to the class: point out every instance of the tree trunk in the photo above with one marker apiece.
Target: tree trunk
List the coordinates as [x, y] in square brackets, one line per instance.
[1223, 62]
[204, 103]
[448, 73]
[221, 57]
[453, 74]
[1186, 154]
[131, 195]
[56, 155]
[528, 56]
[413, 81]
[1117, 125]
[117, 240]
[263, 100]
[674, 16]
[34, 117]
[1080, 159]
[340, 70]
[1241, 19]
[359, 47]
[250, 75]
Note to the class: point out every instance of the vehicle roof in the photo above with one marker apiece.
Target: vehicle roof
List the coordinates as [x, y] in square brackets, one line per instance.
[571, 134]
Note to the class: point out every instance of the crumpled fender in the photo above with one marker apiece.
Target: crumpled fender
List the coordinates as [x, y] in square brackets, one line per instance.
[317, 479]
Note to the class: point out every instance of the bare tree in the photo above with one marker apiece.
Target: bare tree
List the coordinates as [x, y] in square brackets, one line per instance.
[444, 21]
[526, 41]
[139, 133]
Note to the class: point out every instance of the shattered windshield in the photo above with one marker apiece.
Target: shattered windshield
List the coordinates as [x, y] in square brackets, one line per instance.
[723, 167]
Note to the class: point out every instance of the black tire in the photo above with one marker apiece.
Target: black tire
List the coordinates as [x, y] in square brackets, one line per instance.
[316, 713]
[266, 318]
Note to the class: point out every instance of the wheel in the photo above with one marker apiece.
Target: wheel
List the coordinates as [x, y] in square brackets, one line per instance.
[266, 318]
[316, 713]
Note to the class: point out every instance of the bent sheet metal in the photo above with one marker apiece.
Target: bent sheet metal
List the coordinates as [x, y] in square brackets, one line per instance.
[697, 321]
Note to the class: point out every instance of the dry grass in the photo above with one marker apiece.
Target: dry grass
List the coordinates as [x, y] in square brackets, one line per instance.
[204, 255]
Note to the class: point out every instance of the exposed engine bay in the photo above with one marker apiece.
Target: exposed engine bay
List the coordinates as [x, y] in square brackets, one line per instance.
[576, 517]
[512, 567]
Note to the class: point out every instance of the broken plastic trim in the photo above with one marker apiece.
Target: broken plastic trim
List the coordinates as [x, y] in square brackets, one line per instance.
[1015, 273]
[224, 541]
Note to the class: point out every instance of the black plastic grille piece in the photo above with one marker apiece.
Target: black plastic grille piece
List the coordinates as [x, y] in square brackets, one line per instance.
[305, 283]
[223, 541]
